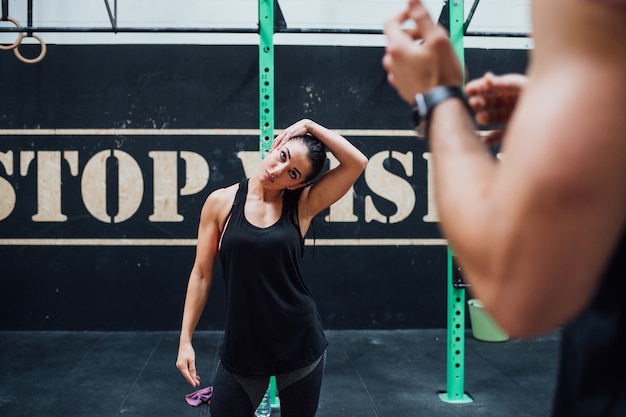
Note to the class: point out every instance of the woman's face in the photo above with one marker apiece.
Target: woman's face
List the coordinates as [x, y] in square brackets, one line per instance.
[287, 166]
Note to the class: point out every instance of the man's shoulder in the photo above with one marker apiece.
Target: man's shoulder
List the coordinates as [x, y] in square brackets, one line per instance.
[616, 5]
[592, 29]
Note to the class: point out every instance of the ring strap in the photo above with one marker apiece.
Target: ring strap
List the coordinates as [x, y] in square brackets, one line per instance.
[30, 16]
[5, 10]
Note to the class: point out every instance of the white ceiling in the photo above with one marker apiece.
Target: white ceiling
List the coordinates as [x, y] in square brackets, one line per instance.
[494, 16]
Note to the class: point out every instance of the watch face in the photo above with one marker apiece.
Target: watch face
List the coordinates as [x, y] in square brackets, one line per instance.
[419, 115]
[420, 102]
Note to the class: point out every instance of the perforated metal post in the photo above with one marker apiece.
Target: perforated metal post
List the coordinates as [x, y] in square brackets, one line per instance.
[455, 371]
[266, 104]
[455, 375]
[266, 75]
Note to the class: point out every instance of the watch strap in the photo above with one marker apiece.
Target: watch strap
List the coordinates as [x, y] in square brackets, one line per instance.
[425, 104]
[440, 94]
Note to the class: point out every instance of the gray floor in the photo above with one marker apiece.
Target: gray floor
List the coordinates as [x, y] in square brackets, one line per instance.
[368, 374]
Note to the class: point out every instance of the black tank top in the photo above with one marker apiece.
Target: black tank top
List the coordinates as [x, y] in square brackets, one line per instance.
[592, 379]
[272, 323]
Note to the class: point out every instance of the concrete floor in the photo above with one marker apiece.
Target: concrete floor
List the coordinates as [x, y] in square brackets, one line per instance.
[368, 374]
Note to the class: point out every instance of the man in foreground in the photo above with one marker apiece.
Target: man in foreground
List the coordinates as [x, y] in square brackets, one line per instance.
[541, 236]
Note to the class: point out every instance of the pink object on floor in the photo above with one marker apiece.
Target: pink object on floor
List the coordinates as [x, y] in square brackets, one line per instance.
[198, 397]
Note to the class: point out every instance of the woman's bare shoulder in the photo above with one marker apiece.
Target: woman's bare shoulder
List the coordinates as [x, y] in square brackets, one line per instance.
[222, 194]
[219, 201]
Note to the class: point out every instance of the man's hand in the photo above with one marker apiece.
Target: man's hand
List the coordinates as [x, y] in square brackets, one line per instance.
[416, 67]
[493, 99]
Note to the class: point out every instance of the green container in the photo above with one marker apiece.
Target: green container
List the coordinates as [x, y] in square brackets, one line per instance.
[483, 326]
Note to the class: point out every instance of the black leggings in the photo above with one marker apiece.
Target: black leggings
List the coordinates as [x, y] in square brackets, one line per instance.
[239, 396]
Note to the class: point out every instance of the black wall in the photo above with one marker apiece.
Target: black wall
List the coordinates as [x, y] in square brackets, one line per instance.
[129, 287]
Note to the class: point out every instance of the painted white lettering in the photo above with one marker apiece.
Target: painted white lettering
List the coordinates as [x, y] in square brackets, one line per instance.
[432, 216]
[49, 187]
[93, 186]
[197, 173]
[166, 182]
[130, 186]
[389, 186]
[250, 161]
[165, 207]
[7, 192]
[71, 157]
[26, 157]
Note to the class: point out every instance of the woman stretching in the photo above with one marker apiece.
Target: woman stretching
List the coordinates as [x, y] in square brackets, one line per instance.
[257, 229]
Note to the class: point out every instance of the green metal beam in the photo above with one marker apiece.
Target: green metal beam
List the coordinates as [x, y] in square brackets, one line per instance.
[455, 371]
[455, 375]
[266, 105]
[266, 75]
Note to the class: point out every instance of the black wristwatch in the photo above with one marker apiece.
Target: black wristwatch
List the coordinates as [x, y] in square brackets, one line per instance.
[425, 103]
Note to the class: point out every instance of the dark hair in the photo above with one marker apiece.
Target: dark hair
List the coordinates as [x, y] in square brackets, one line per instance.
[317, 154]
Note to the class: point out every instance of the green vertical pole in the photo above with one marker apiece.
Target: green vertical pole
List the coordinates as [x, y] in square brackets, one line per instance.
[457, 27]
[455, 375]
[455, 371]
[266, 75]
[266, 104]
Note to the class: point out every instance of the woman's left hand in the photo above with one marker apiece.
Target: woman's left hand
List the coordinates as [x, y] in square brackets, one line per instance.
[299, 128]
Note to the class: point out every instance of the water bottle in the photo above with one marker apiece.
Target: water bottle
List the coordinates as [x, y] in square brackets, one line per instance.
[265, 408]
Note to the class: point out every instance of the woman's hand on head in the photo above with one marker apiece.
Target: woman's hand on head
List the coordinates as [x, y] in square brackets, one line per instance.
[299, 128]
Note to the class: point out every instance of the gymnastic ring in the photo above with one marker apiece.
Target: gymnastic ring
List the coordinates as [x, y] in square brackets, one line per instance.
[34, 60]
[17, 41]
